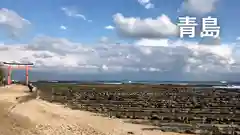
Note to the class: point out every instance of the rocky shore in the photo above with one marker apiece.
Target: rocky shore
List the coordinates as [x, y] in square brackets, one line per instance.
[174, 108]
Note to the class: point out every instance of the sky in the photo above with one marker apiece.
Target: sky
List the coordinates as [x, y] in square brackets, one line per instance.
[131, 38]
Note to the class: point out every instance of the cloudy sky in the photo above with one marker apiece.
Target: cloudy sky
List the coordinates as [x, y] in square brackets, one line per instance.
[120, 38]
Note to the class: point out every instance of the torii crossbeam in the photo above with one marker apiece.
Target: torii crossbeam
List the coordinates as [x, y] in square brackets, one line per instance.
[11, 65]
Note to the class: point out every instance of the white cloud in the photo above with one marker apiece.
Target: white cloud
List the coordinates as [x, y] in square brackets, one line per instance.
[63, 27]
[171, 58]
[199, 7]
[109, 27]
[152, 42]
[104, 39]
[160, 27]
[12, 23]
[238, 38]
[146, 3]
[72, 12]
[210, 41]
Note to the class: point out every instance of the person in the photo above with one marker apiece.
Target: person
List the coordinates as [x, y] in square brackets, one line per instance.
[4, 82]
[30, 86]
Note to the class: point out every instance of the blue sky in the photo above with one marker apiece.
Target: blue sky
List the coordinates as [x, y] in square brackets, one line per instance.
[80, 36]
[46, 17]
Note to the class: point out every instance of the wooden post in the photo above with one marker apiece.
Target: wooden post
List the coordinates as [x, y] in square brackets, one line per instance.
[53, 95]
[203, 120]
[232, 128]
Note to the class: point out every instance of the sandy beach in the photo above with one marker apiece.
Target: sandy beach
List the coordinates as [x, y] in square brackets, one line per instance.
[22, 114]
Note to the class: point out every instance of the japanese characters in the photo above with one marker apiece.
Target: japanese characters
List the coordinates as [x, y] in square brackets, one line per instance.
[209, 28]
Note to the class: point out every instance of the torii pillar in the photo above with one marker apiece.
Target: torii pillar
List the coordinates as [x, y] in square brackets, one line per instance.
[27, 74]
[9, 74]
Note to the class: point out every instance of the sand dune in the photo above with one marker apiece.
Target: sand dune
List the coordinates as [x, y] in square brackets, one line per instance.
[23, 114]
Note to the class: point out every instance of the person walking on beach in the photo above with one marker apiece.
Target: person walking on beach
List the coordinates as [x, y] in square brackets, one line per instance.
[30, 86]
[4, 81]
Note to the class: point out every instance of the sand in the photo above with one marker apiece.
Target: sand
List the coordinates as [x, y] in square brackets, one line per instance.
[22, 114]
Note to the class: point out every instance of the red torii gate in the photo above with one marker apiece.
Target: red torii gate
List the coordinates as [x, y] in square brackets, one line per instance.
[11, 65]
